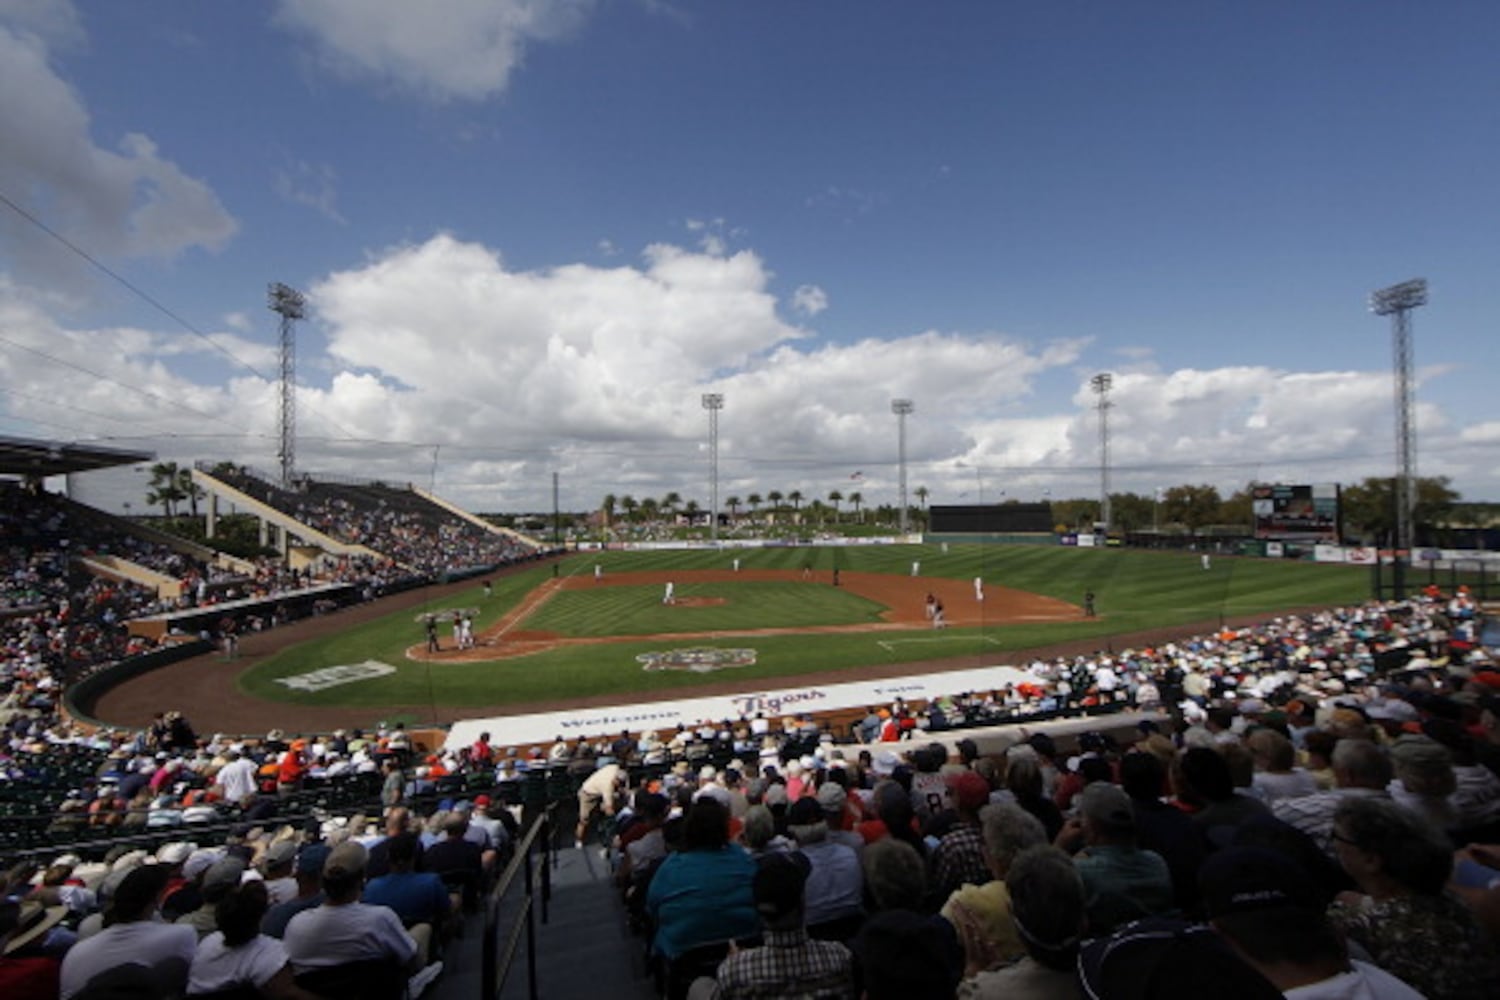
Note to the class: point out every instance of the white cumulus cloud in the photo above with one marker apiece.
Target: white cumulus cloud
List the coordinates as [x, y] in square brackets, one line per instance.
[809, 300]
[129, 200]
[439, 49]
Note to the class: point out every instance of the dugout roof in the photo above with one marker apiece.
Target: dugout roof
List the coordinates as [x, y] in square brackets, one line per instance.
[30, 457]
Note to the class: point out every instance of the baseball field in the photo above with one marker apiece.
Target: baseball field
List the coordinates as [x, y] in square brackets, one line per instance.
[595, 626]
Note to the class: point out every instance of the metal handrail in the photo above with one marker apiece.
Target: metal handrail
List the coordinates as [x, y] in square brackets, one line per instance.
[495, 968]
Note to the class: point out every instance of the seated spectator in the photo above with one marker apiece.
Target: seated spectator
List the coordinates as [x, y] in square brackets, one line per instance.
[222, 877]
[458, 861]
[1162, 958]
[1163, 828]
[789, 962]
[1269, 912]
[958, 859]
[1024, 779]
[981, 913]
[1402, 916]
[1046, 902]
[1360, 770]
[895, 876]
[1122, 881]
[27, 970]
[835, 885]
[419, 898]
[155, 955]
[1276, 773]
[344, 930]
[903, 955]
[703, 892]
[308, 871]
[237, 955]
[1210, 783]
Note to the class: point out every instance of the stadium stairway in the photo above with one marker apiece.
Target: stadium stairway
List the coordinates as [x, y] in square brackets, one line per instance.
[584, 949]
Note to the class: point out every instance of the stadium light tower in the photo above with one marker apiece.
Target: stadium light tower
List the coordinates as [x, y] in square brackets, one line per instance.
[290, 305]
[1101, 384]
[902, 408]
[1397, 302]
[713, 402]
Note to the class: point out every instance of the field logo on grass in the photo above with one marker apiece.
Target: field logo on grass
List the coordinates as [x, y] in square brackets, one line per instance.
[344, 673]
[698, 660]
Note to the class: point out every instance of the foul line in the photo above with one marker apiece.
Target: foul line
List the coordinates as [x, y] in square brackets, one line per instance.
[889, 645]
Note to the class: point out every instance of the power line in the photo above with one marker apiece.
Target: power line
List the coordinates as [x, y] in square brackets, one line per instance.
[143, 295]
[112, 381]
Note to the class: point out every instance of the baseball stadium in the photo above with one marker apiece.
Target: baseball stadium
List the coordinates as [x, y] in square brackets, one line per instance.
[399, 651]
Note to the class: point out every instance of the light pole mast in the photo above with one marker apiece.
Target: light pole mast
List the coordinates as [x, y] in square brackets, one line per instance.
[1397, 302]
[713, 402]
[902, 408]
[289, 304]
[1101, 384]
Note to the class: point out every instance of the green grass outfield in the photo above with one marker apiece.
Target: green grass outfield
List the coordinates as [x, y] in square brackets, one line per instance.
[1134, 590]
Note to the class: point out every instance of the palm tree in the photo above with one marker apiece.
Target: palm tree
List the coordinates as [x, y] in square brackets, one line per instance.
[650, 508]
[166, 487]
[922, 493]
[607, 506]
[796, 499]
[774, 499]
[856, 498]
[835, 498]
[732, 504]
[670, 503]
[190, 490]
[754, 500]
[692, 510]
[629, 504]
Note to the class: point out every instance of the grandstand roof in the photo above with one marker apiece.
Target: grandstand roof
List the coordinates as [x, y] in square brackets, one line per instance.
[30, 457]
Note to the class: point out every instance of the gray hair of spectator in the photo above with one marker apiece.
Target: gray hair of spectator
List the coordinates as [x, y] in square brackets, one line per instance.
[895, 874]
[1271, 750]
[1411, 850]
[1424, 766]
[759, 827]
[1008, 830]
[1047, 904]
[1361, 764]
[1107, 809]
[1024, 777]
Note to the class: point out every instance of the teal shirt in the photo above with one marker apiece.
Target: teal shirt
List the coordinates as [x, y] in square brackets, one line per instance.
[699, 897]
[1121, 884]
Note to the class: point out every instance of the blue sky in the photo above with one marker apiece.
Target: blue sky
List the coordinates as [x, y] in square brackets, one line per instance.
[532, 234]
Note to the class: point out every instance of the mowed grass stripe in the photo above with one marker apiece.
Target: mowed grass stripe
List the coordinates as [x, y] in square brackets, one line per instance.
[627, 610]
[1135, 590]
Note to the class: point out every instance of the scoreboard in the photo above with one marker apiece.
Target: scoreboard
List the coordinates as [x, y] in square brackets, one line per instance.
[1296, 513]
[1006, 518]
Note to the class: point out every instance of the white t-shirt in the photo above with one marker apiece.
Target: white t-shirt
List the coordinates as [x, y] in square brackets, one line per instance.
[217, 967]
[140, 942]
[1365, 982]
[353, 932]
